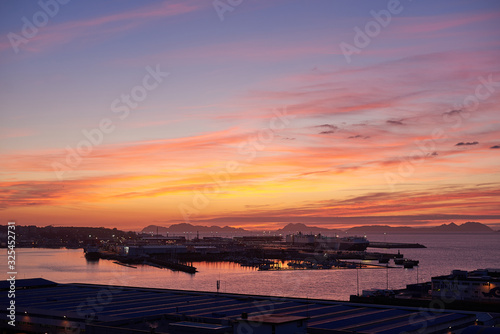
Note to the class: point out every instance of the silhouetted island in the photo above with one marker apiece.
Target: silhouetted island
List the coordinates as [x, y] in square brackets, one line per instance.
[292, 228]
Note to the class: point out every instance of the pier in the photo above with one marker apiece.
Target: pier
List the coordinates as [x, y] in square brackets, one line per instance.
[378, 244]
[174, 265]
[327, 265]
[127, 261]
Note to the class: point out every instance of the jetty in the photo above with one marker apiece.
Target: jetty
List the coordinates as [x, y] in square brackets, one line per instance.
[173, 265]
[125, 264]
[378, 244]
[326, 265]
[128, 261]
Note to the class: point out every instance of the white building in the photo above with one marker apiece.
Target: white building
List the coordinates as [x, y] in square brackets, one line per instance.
[146, 250]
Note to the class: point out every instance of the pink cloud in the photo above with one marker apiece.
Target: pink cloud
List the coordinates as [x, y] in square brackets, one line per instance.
[419, 25]
[56, 34]
[257, 50]
[16, 133]
[431, 201]
[405, 83]
[132, 155]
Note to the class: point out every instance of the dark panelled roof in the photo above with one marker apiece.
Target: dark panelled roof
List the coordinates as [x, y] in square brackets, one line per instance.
[119, 303]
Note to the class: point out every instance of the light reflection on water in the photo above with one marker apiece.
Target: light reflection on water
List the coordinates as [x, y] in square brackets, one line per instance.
[444, 253]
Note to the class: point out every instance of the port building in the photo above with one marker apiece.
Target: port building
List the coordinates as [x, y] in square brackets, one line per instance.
[482, 285]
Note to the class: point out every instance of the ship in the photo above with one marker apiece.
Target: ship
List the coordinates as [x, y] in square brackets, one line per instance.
[352, 243]
[406, 263]
[92, 252]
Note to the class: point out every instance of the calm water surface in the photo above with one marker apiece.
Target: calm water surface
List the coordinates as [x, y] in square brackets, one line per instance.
[444, 253]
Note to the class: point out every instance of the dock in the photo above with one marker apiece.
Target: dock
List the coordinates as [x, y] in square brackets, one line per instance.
[125, 264]
[174, 265]
[308, 265]
[161, 263]
[378, 244]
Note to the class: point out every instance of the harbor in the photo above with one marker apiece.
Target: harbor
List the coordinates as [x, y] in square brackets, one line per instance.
[439, 258]
[400, 245]
[264, 253]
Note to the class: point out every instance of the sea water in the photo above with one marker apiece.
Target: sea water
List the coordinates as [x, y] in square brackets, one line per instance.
[444, 252]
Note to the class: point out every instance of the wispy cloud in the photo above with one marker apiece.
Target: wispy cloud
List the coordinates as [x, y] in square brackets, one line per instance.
[403, 102]
[393, 122]
[395, 204]
[96, 28]
[467, 143]
[327, 129]
[432, 24]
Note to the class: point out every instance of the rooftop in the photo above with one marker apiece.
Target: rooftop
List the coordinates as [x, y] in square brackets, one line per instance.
[489, 274]
[135, 307]
[273, 318]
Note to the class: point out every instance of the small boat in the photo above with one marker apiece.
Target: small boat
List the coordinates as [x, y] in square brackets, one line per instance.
[296, 265]
[264, 266]
[311, 265]
[410, 263]
[92, 253]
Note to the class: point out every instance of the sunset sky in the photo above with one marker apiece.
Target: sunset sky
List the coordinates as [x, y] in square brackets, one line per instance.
[249, 113]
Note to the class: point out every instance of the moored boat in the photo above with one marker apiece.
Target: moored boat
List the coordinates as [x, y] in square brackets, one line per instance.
[410, 263]
[352, 243]
[92, 252]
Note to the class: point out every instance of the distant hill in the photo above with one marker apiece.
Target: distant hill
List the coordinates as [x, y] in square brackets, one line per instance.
[468, 227]
[299, 227]
[184, 227]
[465, 227]
[380, 229]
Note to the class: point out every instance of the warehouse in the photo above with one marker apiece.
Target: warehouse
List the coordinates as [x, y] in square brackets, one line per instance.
[44, 306]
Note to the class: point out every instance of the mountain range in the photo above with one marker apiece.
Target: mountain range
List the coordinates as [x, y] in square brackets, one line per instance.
[468, 227]
[189, 228]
